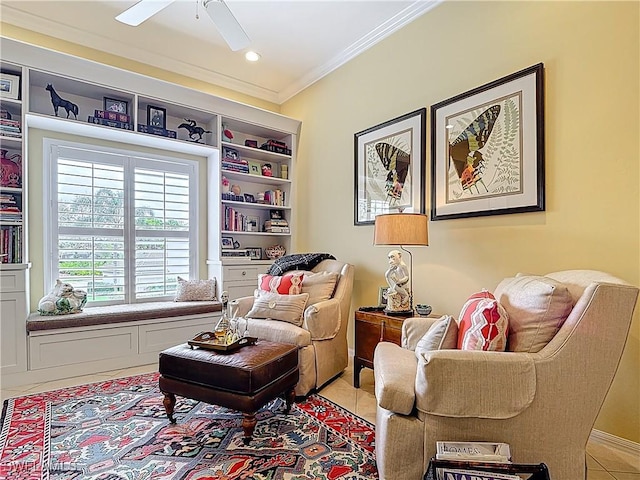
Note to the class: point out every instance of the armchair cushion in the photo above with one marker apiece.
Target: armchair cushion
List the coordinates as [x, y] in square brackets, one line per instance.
[537, 308]
[285, 285]
[288, 308]
[454, 383]
[442, 334]
[483, 324]
[395, 370]
[322, 319]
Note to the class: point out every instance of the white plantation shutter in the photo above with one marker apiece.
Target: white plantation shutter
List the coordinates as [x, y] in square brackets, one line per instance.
[122, 225]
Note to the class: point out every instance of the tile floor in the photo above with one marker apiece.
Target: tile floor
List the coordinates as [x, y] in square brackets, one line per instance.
[604, 463]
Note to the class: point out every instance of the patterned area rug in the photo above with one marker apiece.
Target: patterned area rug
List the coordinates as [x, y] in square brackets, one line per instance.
[118, 430]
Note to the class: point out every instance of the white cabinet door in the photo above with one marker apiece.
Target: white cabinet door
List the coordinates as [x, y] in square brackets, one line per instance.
[13, 347]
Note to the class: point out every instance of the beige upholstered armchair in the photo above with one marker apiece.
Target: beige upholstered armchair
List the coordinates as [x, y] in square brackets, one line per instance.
[322, 337]
[543, 404]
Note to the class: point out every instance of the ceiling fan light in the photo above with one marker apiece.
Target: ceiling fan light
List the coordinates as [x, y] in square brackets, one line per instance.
[252, 56]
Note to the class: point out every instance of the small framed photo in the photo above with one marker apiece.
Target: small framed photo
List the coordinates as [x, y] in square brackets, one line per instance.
[253, 223]
[255, 168]
[382, 296]
[231, 153]
[276, 214]
[114, 105]
[249, 198]
[9, 86]
[227, 242]
[156, 116]
[255, 253]
[251, 143]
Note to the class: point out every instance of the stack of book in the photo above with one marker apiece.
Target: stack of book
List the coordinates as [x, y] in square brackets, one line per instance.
[10, 128]
[235, 165]
[10, 209]
[111, 119]
[277, 225]
[10, 242]
[276, 146]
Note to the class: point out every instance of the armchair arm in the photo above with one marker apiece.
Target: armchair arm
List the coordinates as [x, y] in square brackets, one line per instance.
[323, 319]
[395, 374]
[457, 383]
[240, 306]
[414, 328]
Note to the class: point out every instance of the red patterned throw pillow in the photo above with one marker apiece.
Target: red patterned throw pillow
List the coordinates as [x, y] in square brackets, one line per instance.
[285, 285]
[483, 324]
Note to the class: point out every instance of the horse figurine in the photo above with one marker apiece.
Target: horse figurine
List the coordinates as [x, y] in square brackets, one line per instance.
[194, 130]
[58, 101]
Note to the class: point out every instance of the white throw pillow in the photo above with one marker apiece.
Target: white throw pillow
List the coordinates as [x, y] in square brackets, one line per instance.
[195, 290]
[288, 308]
[319, 285]
[443, 335]
[537, 308]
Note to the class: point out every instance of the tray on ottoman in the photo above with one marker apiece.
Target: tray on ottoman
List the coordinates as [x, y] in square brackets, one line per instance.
[209, 341]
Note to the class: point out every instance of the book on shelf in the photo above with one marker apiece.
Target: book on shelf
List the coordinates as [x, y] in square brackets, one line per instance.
[10, 244]
[236, 253]
[110, 123]
[163, 132]
[474, 451]
[119, 117]
[277, 230]
[276, 223]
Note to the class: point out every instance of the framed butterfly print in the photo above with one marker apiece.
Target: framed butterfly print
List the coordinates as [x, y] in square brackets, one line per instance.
[487, 149]
[389, 167]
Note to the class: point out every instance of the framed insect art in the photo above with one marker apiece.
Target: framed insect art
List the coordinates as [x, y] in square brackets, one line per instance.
[487, 144]
[389, 167]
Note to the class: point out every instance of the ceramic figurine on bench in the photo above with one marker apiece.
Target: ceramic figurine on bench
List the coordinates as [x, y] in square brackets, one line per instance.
[62, 300]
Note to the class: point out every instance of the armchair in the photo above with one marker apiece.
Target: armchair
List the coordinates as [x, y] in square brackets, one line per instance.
[543, 404]
[322, 337]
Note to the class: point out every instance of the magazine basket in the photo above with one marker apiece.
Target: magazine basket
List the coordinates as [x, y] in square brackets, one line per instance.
[535, 472]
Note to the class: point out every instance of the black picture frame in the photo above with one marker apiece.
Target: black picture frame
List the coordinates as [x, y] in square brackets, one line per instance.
[115, 105]
[227, 242]
[276, 214]
[249, 198]
[389, 167]
[487, 149]
[255, 253]
[156, 116]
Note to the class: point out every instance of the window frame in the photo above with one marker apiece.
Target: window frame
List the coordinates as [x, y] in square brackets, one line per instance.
[129, 159]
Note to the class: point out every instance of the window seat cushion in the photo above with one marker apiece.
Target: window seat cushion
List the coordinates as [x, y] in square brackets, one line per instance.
[120, 313]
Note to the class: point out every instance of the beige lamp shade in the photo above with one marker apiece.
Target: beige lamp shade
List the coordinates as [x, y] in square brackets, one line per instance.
[401, 229]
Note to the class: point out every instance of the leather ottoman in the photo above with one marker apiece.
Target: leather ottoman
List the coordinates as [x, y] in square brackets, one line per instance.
[243, 380]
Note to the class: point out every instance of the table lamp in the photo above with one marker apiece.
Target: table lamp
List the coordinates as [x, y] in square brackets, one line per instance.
[402, 229]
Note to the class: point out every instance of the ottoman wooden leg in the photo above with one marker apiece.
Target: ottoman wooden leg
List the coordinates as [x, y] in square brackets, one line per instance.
[169, 403]
[290, 396]
[248, 424]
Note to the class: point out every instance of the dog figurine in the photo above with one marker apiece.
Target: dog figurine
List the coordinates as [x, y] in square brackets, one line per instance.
[62, 300]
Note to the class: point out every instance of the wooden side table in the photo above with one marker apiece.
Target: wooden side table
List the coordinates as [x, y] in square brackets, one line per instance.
[371, 329]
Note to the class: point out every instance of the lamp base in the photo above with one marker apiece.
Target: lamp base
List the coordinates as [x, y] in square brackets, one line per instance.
[399, 313]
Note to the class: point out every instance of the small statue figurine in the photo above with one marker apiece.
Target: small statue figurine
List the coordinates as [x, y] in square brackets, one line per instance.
[397, 276]
[57, 101]
[62, 300]
[193, 130]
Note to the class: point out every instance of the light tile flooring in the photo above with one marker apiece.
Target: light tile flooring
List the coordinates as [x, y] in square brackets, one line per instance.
[603, 462]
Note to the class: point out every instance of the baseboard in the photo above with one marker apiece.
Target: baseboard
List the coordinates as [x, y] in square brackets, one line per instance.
[617, 443]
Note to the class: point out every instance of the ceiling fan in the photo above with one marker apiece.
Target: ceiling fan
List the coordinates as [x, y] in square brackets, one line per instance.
[225, 22]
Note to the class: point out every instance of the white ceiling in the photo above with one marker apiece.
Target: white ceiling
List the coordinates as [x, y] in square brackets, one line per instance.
[299, 41]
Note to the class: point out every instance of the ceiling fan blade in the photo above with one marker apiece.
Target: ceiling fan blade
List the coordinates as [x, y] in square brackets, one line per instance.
[227, 25]
[142, 11]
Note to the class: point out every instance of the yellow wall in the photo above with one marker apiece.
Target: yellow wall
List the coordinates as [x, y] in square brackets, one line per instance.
[590, 51]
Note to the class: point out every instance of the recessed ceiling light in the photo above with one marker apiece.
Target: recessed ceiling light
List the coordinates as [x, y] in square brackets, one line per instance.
[252, 56]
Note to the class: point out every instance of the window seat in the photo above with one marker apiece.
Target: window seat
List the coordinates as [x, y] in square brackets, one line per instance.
[120, 313]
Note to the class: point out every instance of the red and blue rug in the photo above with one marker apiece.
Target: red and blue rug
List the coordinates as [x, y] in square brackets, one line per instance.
[118, 430]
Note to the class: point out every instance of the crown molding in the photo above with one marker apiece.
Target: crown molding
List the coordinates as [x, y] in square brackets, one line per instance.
[406, 16]
[118, 48]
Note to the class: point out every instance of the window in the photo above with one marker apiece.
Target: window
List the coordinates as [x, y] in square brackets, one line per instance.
[122, 226]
